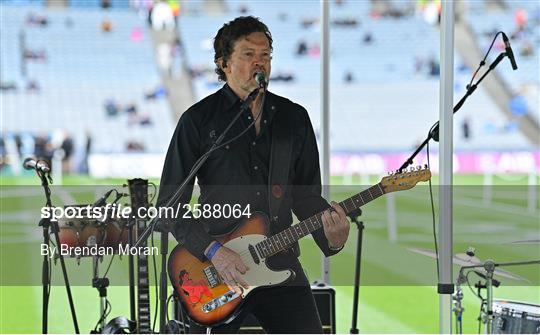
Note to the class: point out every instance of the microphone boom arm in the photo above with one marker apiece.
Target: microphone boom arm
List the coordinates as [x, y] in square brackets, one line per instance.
[434, 132]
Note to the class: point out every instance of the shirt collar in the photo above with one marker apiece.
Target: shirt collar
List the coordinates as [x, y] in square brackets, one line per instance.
[231, 99]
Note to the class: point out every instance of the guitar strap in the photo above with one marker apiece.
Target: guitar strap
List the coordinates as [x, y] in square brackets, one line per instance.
[280, 161]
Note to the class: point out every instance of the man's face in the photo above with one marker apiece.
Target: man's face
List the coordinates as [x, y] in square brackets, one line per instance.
[251, 54]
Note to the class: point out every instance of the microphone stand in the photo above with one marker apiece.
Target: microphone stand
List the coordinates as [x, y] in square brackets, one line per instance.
[174, 199]
[360, 226]
[434, 132]
[46, 223]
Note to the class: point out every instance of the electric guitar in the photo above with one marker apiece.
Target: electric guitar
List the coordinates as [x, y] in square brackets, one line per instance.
[210, 302]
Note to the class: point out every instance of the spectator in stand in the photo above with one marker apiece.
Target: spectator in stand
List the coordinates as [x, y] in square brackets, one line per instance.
[87, 150]
[3, 153]
[111, 108]
[32, 86]
[162, 16]
[106, 26]
[37, 20]
[518, 105]
[43, 148]
[368, 38]
[466, 129]
[348, 78]
[134, 146]
[520, 19]
[131, 109]
[301, 48]
[67, 146]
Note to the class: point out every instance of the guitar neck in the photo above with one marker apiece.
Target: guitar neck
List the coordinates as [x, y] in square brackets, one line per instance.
[143, 290]
[291, 235]
[139, 198]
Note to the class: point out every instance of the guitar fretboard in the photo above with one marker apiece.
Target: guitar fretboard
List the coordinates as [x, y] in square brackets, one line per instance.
[291, 235]
[139, 198]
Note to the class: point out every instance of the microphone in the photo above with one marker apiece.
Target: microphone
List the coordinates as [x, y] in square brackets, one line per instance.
[38, 165]
[260, 78]
[509, 52]
[103, 200]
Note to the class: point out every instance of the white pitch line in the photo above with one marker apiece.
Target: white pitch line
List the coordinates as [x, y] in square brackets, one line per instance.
[494, 206]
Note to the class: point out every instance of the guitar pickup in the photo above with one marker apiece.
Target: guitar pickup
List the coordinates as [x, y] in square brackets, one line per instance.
[212, 276]
[219, 301]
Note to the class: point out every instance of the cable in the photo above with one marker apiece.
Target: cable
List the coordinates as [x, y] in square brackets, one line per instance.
[104, 315]
[167, 304]
[480, 316]
[433, 211]
[483, 61]
[155, 191]
[470, 287]
[114, 254]
[181, 310]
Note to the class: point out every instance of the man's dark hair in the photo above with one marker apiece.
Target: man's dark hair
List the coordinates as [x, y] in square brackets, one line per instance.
[232, 32]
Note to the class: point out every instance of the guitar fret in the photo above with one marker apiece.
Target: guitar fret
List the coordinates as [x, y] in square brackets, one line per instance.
[293, 233]
[352, 203]
[272, 249]
[371, 195]
[343, 204]
[380, 188]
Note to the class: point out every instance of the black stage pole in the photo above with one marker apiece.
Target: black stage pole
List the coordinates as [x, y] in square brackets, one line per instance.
[360, 226]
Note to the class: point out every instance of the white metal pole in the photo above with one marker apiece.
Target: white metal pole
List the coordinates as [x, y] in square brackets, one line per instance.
[446, 92]
[532, 194]
[325, 117]
[391, 217]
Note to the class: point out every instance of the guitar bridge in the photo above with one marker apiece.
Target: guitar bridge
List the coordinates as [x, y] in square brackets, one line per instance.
[219, 301]
[212, 276]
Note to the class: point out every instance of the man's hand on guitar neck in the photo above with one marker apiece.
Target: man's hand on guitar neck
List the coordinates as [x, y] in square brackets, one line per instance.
[230, 266]
[336, 226]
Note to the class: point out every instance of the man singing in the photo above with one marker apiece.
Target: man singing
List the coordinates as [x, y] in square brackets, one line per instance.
[245, 170]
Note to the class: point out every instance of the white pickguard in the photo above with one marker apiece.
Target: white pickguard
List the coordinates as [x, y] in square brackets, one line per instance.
[258, 274]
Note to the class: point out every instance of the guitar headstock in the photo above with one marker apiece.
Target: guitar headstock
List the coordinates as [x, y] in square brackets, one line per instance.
[405, 180]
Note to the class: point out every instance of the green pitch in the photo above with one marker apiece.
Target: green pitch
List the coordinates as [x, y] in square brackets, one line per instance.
[398, 293]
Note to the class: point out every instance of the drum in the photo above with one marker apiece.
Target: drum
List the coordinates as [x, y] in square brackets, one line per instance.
[80, 233]
[116, 233]
[511, 317]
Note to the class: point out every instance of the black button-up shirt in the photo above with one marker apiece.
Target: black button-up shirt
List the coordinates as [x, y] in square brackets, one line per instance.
[238, 172]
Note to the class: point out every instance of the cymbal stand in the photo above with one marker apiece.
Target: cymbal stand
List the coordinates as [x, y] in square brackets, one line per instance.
[458, 307]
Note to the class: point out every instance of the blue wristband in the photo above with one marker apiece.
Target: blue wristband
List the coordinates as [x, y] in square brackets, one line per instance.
[213, 249]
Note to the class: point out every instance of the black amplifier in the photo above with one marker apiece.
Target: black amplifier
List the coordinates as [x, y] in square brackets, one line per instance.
[325, 299]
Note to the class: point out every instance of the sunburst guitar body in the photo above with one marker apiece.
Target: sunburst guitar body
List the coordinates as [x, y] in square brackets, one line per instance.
[205, 297]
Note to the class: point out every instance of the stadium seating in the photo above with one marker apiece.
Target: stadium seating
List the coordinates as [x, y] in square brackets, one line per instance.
[388, 95]
[84, 68]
